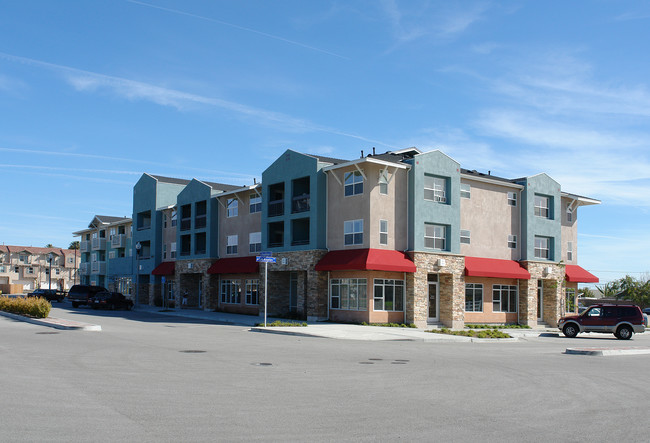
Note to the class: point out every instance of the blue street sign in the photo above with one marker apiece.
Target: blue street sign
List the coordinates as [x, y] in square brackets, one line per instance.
[266, 254]
[261, 259]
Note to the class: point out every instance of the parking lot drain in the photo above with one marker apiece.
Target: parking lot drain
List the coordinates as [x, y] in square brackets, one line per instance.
[405, 361]
[192, 351]
[366, 363]
[262, 364]
[375, 359]
[47, 333]
[398, 363]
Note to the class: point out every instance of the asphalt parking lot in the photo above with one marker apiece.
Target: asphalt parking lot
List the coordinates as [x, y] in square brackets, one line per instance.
[150, 377]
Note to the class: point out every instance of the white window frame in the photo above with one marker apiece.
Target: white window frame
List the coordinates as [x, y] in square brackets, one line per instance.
[472, 304]
[353, 183]
[569, 251]
[254, 242]
[542, 247]
[436, 235]
[379, 292]
[254, 203]
[353, 232]
[172, 250]
[383, 232]
[511, 292]
[465, 236]
[383, 182]
[569, 213]
[465, 190]
[232, 207]
[542, 206]
[512, 241]
[252, 292]
[232, 242]
[349, 294]
[435, 188]
[230, 292]
[512, 198]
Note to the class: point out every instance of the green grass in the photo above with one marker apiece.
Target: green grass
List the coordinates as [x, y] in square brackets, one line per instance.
[284, 323]
[485, 333]
[390, 325]
[36, 307]
[513, 326]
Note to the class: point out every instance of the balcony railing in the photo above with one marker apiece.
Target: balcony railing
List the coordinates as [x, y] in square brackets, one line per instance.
[276, 208]
[98, 267]
[300, 203]
[84, 269]
[186, 224]
[98, 244]
[84, 246]
[200, 221]
[118, 241]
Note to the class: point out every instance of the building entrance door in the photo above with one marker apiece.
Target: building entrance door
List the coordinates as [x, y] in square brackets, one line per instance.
[434, 299]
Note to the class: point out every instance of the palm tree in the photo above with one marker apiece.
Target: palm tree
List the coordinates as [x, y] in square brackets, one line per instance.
[49, 245]
[74, 245]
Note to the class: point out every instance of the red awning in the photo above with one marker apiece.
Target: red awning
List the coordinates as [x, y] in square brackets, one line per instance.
[494, 268]
[366, 260]
[576, 274]
[165, 268]
[235, 265]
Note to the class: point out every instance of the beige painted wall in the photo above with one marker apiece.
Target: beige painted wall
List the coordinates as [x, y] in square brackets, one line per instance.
[371, 206]
[241, 225]
[169, 236]
[490, 220]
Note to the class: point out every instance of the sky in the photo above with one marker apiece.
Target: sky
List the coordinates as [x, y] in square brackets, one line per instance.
[95, 93]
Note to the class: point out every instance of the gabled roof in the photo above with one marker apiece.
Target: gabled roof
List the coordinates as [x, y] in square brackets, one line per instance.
[320, 158]
[172, 180]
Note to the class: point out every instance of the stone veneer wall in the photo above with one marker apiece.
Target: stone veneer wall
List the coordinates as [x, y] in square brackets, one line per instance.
[312, 285]
[553, 292]
[199, 268]
[451, 284]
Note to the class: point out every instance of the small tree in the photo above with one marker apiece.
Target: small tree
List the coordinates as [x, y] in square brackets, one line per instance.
[74, 245]
[49, 245]
[586, 293]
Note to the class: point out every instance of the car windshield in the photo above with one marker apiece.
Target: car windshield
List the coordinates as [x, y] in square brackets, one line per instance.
[593, 312]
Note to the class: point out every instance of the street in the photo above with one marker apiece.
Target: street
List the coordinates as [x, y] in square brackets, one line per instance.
[149, 377]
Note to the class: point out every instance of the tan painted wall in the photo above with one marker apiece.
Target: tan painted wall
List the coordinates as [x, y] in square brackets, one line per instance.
[242, 225]
[169, 235]
[569, 233]
[488, 316]
[490, 220]
[371, 206]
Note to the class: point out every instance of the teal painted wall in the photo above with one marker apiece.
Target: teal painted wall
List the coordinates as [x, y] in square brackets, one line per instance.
[195, 192]
[532, 225]
[289, 166]
[423, 211]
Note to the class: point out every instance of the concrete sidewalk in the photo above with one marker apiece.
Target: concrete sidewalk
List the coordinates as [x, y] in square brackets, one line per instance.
[53, 322]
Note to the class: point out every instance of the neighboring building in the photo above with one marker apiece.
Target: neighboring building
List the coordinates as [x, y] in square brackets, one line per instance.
[403, 236]
[30, 267]
[106, 253]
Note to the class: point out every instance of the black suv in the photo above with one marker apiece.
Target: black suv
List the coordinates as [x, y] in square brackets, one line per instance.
[620, 320]
[48, 294]
[81, 294]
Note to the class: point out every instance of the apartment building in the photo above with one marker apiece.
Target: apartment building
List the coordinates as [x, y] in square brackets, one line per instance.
[401, 236]
[32, 268]
[106, 252]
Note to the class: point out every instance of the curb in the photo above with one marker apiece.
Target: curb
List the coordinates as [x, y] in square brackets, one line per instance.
[52, 322]
[607, 351]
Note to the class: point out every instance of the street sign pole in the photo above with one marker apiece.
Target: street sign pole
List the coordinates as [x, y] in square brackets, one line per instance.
[266, 288]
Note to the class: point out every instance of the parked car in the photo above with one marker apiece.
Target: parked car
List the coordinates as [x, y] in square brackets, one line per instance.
[48, 294]
[81, 294]
[621, 320]
[646, 311]
[110, 300]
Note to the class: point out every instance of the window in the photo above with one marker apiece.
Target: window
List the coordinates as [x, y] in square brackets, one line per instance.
[353, 183]
[201, 216]
[174, 217]
[570, 300]
[542, 206]
[435, 236]
[200, 243]
[569, 213]
[300, 231]
[465, 190]
[353, 232]
[24, 259]
[186, 217]
[542, 248]
[252, 292]
[389, 295]
[255, 242]
[512, 241]
[232, 207]
[465, 236]
[504, 298]
[276, 199]
[231, 244]
[473, 297]
[3, 269]
[569, 251]
[512, 198]
[111, 254]
[435, 189]
[165, 216]
[276, 234]
[383, 232]
[383, 182]
[300, 197]
[186, 245]
[349, 294]
[30, 270]
[230, 291]
[255, 203]
[172, 250]
[164, 252]
[144, 221]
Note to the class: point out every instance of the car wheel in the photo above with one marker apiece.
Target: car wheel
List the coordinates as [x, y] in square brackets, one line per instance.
[624, 333]
[570, 330]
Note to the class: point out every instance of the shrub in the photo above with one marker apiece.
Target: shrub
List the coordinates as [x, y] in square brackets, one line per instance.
[283, 323]
[31, 306]
[512, 326]
[390, 325]
[487, 333]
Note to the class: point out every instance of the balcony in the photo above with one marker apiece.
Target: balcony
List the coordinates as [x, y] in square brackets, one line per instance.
[276, 208]
[300, 203]
[84, 246]
[98, 244]
[186, 224]
[98, 267]
[118, 241]
[84, 269]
